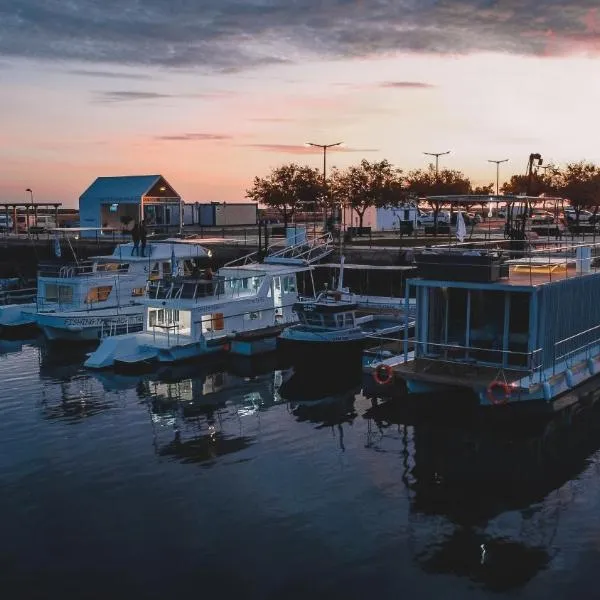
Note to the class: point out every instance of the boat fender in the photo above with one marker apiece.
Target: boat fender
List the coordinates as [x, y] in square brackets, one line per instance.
[499, 399]
[591, 366]
[383, 374]
[547, 391]
[569, 377]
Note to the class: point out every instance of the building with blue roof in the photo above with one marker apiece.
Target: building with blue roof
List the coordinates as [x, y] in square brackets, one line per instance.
[118, 202]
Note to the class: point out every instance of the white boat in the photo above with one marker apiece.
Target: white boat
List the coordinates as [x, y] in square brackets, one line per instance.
[17, 303]
[84, 300]
[241, 309]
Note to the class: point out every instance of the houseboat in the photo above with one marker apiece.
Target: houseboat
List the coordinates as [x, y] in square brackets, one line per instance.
[513, 326]
[240, 309]
[84, 300]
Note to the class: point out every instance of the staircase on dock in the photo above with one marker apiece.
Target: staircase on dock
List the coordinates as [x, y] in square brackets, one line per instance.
[307, 252]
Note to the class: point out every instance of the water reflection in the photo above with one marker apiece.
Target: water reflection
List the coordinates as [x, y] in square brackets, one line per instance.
[468, 481]
[203, 410]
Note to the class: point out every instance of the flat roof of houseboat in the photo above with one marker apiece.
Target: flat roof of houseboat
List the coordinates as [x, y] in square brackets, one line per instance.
[535, 267]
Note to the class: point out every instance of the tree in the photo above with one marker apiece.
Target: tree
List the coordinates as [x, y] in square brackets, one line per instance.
[286, 188]
[579, 182]
[366, 185]
[425, 183]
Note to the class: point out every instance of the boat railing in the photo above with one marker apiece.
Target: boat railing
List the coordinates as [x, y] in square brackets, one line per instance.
[186, 288]
[581, 346]
[507, 360]
[81, 269]
[120, 326]
[18, 296]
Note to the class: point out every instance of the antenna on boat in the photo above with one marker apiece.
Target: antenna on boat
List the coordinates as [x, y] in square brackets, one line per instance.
[341, 276]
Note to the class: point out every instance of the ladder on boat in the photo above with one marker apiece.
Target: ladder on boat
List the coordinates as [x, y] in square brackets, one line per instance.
[307, 252]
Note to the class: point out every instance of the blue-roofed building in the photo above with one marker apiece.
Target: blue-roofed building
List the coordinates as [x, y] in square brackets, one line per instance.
[117, 202]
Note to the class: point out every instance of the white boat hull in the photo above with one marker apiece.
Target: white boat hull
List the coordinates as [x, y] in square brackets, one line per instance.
[89, 325]
[18, 315]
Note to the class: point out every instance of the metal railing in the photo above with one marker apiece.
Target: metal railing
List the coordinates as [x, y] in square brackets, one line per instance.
[18, 296]
[580, 346]
[120, 326]
[81, 269]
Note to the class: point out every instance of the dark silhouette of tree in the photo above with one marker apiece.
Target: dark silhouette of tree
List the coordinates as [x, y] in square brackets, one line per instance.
[368, 184]
[425, 183]
[579, 183]
[286, 188]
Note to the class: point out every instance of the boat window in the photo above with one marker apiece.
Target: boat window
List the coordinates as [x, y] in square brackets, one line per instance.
[166, 268]
[135, 292]
[98, 294]
[252, 316]
[289, 284]
[58, 293]
[154, 272]
[213, 322]
[120, 267]
[163, 317]
[314, 319]
[349, 319]
[329, 320]
[340, 320]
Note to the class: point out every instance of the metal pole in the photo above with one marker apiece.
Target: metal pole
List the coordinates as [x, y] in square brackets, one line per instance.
[498, 162]
[437, 158]
[324, 147]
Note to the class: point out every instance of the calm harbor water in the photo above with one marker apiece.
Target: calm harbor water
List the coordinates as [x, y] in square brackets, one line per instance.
[217, 478]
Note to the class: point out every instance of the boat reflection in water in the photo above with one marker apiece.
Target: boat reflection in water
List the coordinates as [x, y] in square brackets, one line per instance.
[327, 401]
[469, 481]
[71, 394]
[201, 411]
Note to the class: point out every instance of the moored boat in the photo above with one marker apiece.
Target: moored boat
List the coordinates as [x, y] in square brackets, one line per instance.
[85, 300]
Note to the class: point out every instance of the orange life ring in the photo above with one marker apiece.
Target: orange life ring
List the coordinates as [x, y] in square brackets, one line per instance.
[503, 399]
[383, 374]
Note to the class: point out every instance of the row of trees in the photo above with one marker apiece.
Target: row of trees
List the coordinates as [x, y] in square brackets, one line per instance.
[293, 187]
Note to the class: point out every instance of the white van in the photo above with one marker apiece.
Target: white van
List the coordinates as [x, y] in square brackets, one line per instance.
[42, 223]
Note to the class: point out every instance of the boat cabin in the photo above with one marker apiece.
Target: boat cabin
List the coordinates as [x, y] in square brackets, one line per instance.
[234, 300]
[116, 279]
[324, 314]
[519, 313]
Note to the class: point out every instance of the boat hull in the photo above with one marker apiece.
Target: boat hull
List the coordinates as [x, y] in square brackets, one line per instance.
[17, 315]
[88, 327]
[316, 355]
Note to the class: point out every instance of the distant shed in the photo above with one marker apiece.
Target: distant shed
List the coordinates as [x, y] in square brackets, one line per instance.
[110, 202]
[220, 214]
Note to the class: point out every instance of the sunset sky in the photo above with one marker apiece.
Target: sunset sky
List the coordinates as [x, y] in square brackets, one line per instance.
[210, 93]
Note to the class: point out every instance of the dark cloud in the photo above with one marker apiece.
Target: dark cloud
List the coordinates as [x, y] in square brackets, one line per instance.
[416, 85]
[128, 96]
[109, 74]
[302, 149]
[194, 137]
[113, 96]
[230, 35]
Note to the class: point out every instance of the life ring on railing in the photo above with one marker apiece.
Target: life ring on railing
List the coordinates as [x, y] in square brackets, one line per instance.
[383, 374]
[502, 399]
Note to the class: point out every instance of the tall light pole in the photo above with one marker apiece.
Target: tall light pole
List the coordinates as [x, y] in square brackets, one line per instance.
[30, 193]
[437, 159]
[324, 148]
[498, 163]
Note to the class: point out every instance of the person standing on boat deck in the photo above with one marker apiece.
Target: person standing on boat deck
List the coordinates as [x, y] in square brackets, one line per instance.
[143, 236]
[135, 237]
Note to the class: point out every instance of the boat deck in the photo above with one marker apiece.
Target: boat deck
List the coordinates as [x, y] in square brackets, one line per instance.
[453, 373]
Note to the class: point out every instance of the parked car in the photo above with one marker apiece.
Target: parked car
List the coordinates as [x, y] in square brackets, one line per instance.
[6, 222]
[542, 217]
[427, 218]
[585, 216]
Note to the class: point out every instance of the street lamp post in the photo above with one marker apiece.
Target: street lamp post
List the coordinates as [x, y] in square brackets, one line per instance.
[324, 148]
[498, 163]
[437, 159]
[30, 194]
